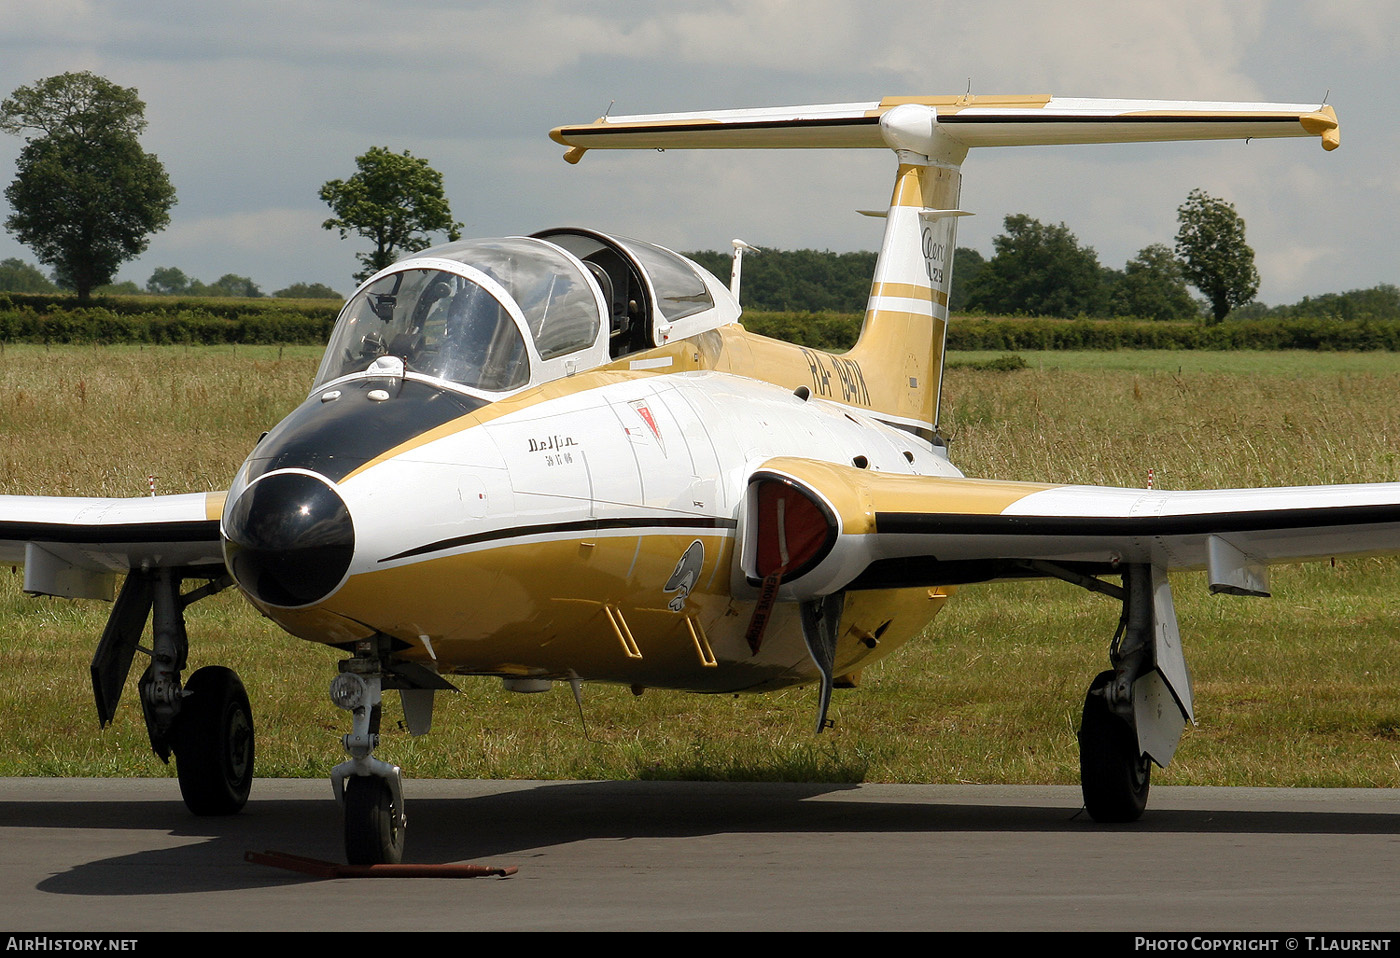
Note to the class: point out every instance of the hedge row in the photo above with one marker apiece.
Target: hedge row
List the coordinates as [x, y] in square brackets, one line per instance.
[838, 331]
[116, 321]
[99, 324]
[230, 308]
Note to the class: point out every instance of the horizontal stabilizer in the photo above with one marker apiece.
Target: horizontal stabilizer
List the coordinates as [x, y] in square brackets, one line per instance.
[969, 121]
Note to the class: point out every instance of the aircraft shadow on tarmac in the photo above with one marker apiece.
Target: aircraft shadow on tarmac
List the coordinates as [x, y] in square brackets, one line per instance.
[491, 828]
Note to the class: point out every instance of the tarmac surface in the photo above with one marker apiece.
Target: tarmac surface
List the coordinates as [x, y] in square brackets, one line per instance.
[112, 855]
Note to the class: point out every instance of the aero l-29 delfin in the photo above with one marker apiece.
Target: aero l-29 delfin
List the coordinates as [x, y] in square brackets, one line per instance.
[560, 457]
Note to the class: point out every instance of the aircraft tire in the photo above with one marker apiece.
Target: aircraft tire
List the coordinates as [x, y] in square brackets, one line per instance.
[1113, 775]
[214, 743]
[373, 833]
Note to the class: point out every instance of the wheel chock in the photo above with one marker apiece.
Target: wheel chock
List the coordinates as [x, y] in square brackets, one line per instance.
[319, 869]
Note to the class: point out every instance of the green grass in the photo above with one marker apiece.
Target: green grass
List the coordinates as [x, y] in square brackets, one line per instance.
[1300, 689]
[1242, 362]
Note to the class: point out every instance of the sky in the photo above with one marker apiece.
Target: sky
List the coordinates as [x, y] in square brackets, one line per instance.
[253, 105]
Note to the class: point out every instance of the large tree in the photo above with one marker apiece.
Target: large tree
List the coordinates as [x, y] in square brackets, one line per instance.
[1214, 255]
[395, 200]
[85, 197]
[1152, 286]
[1039, 270]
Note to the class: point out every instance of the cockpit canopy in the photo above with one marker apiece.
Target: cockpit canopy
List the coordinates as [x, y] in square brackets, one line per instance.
[500, 314]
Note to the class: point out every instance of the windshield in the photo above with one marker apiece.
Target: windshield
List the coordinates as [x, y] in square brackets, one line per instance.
[439, 323]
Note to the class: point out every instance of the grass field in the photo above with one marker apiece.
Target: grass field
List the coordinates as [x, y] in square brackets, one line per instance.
[1300, 689]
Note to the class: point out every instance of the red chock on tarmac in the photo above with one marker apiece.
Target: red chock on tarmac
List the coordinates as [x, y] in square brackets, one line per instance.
[319, 869]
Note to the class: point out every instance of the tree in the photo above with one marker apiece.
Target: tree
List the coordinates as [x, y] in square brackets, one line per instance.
[307, 291]
[395, 200]
[967, 263]
[1039, 270]
[232, 285]
[1215, 257]
[86, 197]
[1153, 286]
[168, 281]
[17, 276]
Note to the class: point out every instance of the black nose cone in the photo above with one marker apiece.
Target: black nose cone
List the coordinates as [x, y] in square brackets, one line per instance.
[288, 540]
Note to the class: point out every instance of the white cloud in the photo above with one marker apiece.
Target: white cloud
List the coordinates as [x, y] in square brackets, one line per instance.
[242, 231]
[1367, 28]
[253, 105]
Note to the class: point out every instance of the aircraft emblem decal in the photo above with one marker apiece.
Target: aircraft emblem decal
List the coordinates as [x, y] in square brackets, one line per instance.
[644, 413]
[685, 575]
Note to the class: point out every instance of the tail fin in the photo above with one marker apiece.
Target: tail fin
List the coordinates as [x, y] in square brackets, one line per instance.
[906, 319]
[900, 350]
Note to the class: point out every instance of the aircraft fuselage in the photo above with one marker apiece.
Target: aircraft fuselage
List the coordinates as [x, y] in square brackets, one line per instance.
[585, 528]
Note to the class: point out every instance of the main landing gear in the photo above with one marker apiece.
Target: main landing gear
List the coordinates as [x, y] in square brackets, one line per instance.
[1134, 713]
[206, 722]
[1114, 774]
[213, 739]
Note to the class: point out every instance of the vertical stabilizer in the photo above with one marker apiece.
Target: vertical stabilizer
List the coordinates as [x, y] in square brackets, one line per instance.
[906, 319]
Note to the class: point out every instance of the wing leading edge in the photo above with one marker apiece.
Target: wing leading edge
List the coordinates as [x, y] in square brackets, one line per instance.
[75, 547]
[869, 530]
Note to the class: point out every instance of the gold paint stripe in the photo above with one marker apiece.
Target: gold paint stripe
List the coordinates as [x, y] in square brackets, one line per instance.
[935, 296]
[503, 407]
[909, 187]
[623, 633]
[214, 505]
[952, 104]
[903, 290]
[702, 642]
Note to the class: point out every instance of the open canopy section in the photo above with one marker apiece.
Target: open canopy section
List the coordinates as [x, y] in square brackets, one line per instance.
[654, 295]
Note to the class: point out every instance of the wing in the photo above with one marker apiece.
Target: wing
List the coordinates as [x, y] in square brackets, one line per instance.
[824, 528]
[75, 547]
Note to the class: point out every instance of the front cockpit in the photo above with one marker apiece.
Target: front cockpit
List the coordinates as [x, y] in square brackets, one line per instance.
[498, 315]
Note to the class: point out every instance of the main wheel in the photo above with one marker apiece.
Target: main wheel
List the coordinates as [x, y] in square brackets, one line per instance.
[1113, 774]
[373, 825]
[213, 740]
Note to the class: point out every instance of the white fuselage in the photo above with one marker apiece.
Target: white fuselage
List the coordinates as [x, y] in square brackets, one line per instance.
[554, 534]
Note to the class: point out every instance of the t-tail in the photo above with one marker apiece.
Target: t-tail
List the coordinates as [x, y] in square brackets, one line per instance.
[902, 340]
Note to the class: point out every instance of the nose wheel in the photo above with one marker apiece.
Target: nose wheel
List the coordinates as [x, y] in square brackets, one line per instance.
[374, 822]
[369, 790]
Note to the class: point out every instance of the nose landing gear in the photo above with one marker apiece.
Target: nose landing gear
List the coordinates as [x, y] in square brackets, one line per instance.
[369, 790]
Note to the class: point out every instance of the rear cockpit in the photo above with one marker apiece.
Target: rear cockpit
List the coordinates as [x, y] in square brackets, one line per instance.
[498, 315]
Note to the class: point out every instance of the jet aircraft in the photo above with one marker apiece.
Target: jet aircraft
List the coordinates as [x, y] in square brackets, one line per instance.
[561, 457]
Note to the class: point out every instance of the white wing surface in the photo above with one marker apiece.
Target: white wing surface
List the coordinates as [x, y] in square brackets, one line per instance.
[875, 530]
[75, 547]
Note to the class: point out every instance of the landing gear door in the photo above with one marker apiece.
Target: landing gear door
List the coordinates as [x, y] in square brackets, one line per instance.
[1162, 698]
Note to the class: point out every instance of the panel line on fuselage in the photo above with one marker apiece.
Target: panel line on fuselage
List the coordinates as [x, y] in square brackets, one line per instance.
[557, 528]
